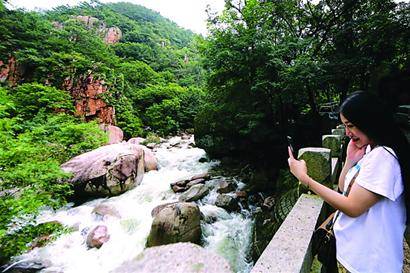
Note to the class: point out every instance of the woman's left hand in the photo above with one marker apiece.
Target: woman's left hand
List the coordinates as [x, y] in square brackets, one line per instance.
[297, 167]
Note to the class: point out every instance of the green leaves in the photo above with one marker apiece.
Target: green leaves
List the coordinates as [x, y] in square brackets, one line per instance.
[31, 97]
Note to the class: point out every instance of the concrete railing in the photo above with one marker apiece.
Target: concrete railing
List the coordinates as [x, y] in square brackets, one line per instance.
[290, 248]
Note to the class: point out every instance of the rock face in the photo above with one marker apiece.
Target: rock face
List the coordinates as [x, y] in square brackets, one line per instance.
[179, 222]
[113, 35]
[9, 71]
[178, 258]
[87, 99]
[97, 237]
[107, 171]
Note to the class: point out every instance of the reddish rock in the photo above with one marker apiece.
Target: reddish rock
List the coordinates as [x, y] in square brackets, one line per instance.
[9, 71]
[115, 134]
[98, 236]
[113, 35]
[88, 102]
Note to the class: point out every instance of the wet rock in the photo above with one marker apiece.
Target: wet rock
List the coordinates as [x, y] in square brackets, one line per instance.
[104, 210]
[177, 188]
[157, 209]
[24, 267]
[107, 171]
[179, 222]
[98, 236]
[195, 182]
[194, 193]
[204, 176]
[241, 194]
[226, 186]
[180, 257]
[227, 202]
[150, 161]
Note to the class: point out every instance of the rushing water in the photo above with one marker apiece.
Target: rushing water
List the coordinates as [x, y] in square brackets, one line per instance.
[229, 235]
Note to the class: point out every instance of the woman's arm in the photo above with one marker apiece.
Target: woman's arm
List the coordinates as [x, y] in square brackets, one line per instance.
[353, 155]
[358, 201]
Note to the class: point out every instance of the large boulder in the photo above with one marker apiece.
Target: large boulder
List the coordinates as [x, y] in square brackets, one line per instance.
[179, 222]
[177, 258]
[107, 171]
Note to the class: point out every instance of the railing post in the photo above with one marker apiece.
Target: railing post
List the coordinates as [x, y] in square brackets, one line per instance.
[318, 164]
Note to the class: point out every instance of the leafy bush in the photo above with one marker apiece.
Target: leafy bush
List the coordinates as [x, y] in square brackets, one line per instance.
[31, 152]
[29, 98]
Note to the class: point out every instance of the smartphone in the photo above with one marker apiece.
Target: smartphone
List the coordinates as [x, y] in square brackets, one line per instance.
[290, 143]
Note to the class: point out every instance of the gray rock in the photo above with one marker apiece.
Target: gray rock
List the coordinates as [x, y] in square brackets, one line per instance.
[179, 222]
[157, 209]
[107, 171]
[205, 176]
[226, 186]
[226, 202]
[194, 193]
[175, 258]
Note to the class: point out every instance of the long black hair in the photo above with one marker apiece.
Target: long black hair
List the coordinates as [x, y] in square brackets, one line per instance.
[368, 113]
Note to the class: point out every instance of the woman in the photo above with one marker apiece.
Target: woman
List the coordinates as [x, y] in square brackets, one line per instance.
[369, 230]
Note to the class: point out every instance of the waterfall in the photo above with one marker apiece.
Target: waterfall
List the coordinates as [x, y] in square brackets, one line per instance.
[228, 234]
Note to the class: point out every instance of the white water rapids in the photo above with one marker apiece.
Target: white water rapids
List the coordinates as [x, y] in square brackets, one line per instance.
[229, 236]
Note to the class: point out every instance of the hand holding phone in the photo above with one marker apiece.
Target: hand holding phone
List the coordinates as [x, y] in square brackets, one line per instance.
[290, 144]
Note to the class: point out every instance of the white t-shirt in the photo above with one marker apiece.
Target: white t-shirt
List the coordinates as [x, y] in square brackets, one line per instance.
[373, 242]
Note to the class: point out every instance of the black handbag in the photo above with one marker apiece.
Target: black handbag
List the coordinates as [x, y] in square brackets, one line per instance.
[324, 240]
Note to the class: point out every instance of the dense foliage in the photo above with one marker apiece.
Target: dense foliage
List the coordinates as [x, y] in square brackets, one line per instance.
[273, 63]
[38, 133]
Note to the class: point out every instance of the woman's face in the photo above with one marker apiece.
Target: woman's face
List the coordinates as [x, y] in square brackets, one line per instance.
[359, 138]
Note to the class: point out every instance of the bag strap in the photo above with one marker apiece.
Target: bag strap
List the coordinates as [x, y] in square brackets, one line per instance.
[329, 226]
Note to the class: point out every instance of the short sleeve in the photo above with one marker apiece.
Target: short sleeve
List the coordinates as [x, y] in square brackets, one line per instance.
[380, 173]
